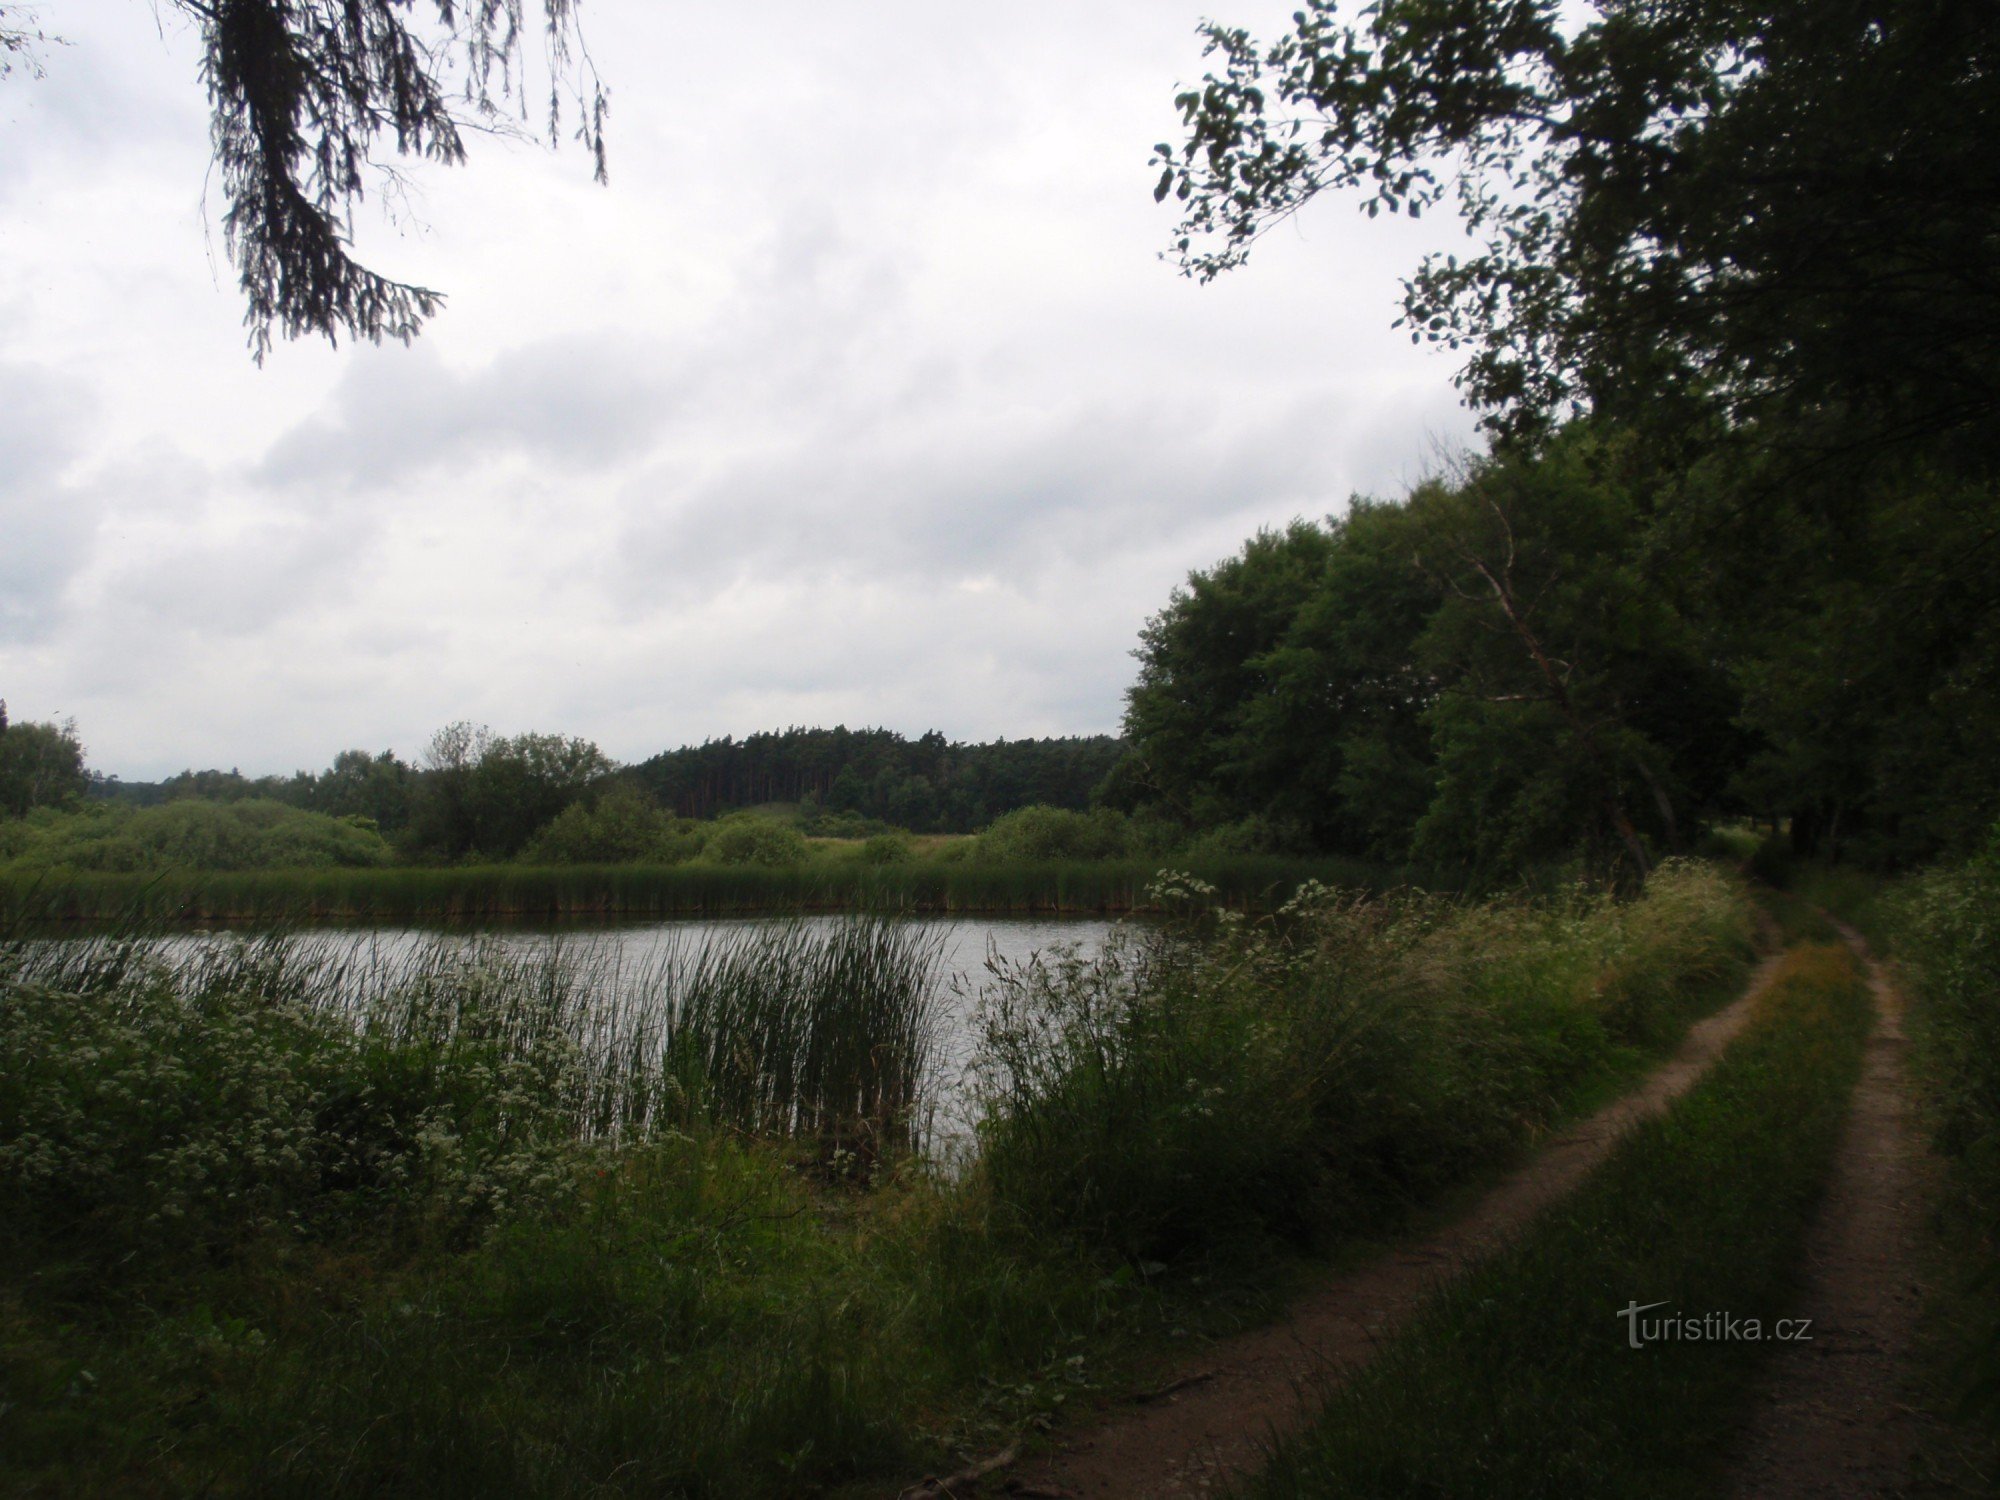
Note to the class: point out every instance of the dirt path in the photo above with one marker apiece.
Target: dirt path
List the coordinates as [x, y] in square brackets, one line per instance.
[1226, 1405]
[1834, 1420]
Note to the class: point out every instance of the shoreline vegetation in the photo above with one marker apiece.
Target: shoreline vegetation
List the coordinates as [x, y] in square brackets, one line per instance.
[523, 892]
[468, 1234]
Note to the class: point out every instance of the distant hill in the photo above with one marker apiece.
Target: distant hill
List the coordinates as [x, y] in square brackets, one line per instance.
[929, 784]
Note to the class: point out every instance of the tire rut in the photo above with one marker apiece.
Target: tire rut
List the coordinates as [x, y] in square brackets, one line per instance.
[1834, 1418]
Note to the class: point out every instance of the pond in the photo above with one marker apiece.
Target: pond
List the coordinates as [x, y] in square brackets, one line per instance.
[623, 964]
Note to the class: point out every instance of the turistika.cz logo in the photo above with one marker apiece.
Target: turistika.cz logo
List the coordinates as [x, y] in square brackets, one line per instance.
[1707, 1328]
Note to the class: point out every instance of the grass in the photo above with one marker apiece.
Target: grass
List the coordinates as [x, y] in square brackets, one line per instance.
[1942, 929]
[1519, 1379]
[475, 1226]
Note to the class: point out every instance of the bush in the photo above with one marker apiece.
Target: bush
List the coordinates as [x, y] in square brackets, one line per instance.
[1328, 1068]
[887, 849]
[842, 825]
[1043, 833]
[1950, 931]
[254, 834]
[1251, 835]
[744, 839]
[623, 826]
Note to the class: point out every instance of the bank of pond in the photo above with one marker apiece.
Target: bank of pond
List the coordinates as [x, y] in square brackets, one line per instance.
[515, 891]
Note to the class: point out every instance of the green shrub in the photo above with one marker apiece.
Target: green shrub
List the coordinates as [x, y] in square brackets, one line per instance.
[1042, 833]
[253, 834]
[1323, 1070]
[1949, 932]
[623, 826]
[745, 839]
[887, 849]
[842, 825]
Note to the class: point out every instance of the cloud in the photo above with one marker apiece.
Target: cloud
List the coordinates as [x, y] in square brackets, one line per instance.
[989, 495]
[579, 402]
[47, 520]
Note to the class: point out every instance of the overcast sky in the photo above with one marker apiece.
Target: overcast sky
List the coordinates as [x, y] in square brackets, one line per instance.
[860, 395]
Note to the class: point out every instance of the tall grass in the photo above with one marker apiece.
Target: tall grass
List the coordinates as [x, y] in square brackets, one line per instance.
[441, 1222]
[1946, 931]
[1322, 1071]
[186, 1088]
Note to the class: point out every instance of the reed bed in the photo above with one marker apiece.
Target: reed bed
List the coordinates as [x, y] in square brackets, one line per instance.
[780, 1030]
[484, 893]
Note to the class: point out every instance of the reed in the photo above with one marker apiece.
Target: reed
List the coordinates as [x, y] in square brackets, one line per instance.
[485, 893]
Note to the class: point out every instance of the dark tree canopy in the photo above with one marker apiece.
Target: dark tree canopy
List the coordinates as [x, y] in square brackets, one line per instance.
[1762, 208]
[306, 93]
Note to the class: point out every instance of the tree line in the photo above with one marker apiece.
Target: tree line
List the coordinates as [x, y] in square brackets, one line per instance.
[927, 785]
[473, 794]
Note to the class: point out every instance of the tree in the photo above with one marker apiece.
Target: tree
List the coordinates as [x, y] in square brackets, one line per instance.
[1777, 212]
[1499, 671]
[1281, 685]
[482, 794]
[21, 43]
[41, 765]
[303, 92]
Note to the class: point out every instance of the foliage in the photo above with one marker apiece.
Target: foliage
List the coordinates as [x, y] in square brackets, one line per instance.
[268, 1085]
[486, 795]
[1755, 243]
[1786, 211]
[1495, 674]
[1321, 1071]
[188, 835]
[1948, 932]
[302, 92]
[928, 784]
[41, 765]
[508, 1220]
[696, 887]
[746, 839]
[1869, 677]
[887, 849]
[619, 827]
[1041, 834]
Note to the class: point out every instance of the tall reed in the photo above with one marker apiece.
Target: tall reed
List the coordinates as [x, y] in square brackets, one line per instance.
[186, 1076]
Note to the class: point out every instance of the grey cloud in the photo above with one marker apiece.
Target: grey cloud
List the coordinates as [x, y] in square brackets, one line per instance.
[581, 401]
[1001, 503]
[47, 521]
[234, 583]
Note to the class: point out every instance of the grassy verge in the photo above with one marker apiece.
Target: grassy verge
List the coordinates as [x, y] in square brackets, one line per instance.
[585, 891]
[1520, 1379]
[1319, 1075]
[474, 1235]
[1944, 929]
